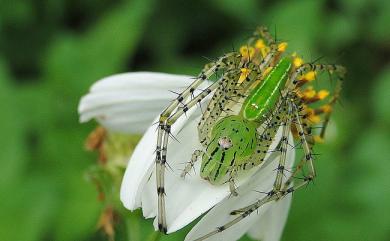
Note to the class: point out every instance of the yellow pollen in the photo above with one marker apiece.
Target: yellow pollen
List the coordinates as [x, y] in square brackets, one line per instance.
[322, 94]
[311, 115]
[309, 76]
[308, 110]
[244, 73]
[264, 49]
[297, 62]
[326, 108]
[314, 119]
[247, 52]
[282, 47]
[309, 92]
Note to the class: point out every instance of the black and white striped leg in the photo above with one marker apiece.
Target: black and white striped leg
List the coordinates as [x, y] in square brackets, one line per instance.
[167, 119]
[286, 127]
[305, 144]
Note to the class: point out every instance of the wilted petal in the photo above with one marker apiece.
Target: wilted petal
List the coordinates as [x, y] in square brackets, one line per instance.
[261, 181]
[129, 102]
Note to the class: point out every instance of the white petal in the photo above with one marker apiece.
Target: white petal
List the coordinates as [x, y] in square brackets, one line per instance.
[261, 181]
[129, 102]
[270, 226]
[140, 165]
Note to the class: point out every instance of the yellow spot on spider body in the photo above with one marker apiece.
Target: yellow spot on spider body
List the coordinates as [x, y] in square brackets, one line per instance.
[244, 73]
[297, 61]
[247, 52]
[262, 47]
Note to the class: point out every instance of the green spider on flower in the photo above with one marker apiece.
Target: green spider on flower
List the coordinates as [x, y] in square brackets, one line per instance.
[241, 138]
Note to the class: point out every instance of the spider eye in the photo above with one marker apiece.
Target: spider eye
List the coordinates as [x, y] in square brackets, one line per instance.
[225, 142]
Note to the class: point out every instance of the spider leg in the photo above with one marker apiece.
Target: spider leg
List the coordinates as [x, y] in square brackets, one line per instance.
[330, 68]
[340, 72]
[286, 126]
[164, 131]
[161, 153]
[241, 216]
[232, 185]
[217, 105]
[263, 33]
[333, 100]
[264, 140]
[194, 158]
[307, 148]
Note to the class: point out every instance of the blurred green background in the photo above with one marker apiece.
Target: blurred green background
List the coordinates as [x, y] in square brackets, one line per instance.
[52, 51]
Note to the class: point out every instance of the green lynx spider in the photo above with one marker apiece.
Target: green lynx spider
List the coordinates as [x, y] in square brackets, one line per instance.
[265, 86]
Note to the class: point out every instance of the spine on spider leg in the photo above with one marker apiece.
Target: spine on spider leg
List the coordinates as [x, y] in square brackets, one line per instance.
[307, 147]
[205, 74]
[175, 116]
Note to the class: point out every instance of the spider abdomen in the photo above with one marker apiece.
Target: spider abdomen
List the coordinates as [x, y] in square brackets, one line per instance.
[264, 97]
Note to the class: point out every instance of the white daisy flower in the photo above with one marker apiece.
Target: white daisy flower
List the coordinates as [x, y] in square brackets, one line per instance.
[131, 103]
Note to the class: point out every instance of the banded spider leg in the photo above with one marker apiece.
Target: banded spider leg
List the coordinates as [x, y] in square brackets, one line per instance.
[169, 116]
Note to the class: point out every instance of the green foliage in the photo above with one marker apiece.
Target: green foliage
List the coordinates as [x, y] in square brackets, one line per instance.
[52, 51]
